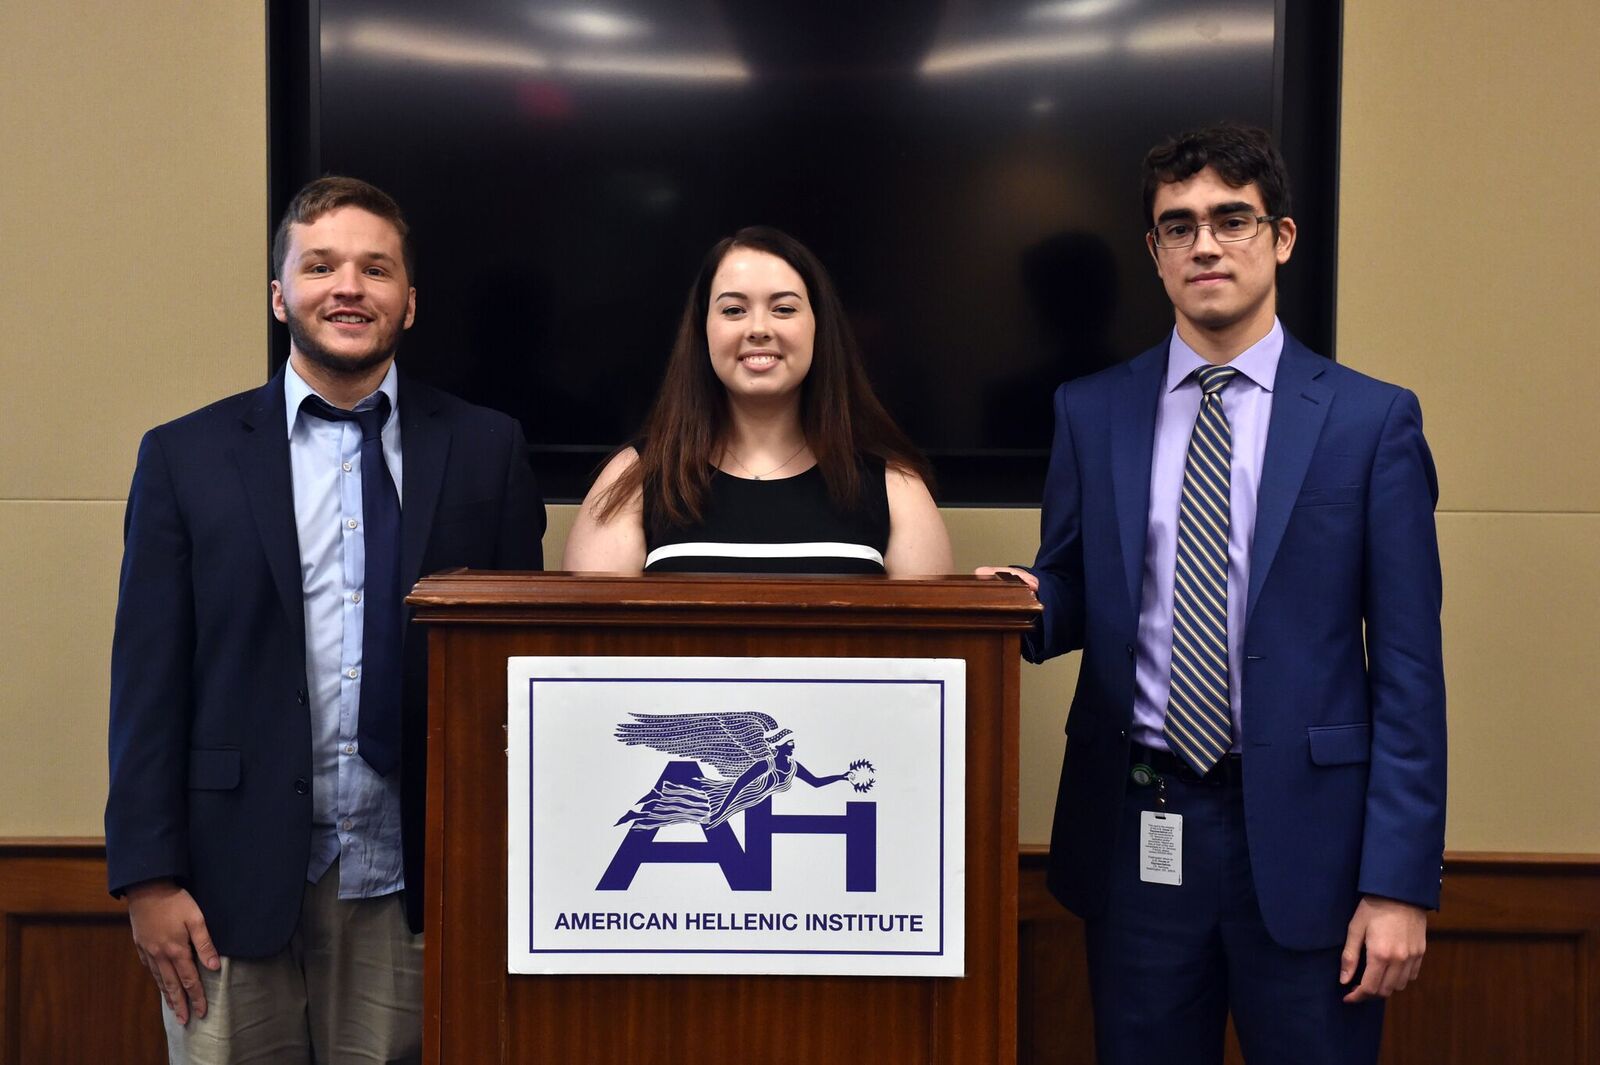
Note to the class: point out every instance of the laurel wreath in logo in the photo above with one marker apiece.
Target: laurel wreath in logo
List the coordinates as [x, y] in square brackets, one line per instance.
[862, 775]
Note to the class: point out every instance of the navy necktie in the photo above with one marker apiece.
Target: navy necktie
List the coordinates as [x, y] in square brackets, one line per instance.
[378, 730]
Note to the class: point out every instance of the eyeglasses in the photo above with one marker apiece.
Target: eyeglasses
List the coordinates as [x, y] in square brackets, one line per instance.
[1180, 233]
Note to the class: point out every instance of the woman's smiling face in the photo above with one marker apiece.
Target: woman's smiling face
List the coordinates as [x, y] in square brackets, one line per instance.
[760, 328]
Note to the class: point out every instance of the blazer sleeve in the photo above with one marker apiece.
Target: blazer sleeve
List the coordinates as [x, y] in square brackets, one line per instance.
[1059, 565]
[152, 653]
[522, 517]
[1403, 841]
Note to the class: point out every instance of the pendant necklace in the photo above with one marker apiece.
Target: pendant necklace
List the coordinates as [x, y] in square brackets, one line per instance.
[754, 476]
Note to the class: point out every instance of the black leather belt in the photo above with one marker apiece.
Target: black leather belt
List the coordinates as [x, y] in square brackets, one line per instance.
[1228, 772]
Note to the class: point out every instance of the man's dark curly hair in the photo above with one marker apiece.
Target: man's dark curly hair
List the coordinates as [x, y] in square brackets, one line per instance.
[1239, 154]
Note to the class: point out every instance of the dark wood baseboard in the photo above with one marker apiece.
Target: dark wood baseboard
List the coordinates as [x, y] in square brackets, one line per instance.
[1512, 974]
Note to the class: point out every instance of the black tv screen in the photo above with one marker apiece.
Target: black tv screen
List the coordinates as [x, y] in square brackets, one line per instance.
[969, 173]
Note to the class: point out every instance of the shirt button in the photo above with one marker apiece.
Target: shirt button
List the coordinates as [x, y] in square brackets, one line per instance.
[352, 673]
[355, 597]
[349, 748]
[345, 466]
[352, 523]
[347, 824]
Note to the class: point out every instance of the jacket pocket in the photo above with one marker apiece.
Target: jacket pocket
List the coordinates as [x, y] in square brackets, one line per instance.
[213, 770]
[1340, 744]
[1330, 496]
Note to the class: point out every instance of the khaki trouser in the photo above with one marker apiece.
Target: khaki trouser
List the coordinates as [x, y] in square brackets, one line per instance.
[347, 988]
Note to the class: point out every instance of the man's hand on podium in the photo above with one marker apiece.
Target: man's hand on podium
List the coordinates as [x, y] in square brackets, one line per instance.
[1015, 571]
[170, 931]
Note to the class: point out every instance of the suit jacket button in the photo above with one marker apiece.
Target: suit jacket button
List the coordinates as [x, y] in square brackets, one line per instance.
[302, 786]
[300, 697]
[1123, 733]
[1131, 651]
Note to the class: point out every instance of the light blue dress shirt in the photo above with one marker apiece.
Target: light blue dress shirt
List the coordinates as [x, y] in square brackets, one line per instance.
[1247, 401]
[355, 813]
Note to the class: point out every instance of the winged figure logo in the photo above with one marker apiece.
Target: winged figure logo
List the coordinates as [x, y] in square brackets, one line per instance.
[753, 758]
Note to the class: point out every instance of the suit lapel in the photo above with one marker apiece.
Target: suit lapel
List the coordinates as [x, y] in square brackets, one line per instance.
[1300, 404]
[262, 456]
[1132, 443]
[424, 449]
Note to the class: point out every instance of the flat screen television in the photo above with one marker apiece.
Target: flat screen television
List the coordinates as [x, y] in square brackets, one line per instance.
[968, 171]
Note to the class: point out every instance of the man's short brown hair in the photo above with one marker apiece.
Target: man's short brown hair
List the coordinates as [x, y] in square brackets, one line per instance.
[329, 194]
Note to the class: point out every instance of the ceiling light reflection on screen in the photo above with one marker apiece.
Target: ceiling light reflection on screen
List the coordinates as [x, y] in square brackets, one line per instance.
[1200, 32]
[962, 58]
[1073, 10]
[486, 53]
[593, 23]
[658, 67]
[426, 46]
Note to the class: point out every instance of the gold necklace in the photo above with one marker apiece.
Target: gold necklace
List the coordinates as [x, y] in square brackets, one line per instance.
[754, 476]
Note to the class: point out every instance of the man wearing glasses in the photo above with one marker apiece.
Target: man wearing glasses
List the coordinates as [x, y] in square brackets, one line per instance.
[1239, 535]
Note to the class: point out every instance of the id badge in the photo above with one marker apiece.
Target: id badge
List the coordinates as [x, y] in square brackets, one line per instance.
[1160, 847]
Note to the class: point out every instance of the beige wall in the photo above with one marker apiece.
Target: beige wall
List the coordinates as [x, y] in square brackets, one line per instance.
[1468, 185]
[131, 290]
[132, 252]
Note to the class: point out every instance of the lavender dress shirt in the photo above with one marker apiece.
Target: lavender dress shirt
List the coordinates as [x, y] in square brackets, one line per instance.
[1247, 401]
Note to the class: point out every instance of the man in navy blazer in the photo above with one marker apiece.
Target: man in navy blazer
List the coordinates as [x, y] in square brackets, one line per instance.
[247, 825]
[1285, 874]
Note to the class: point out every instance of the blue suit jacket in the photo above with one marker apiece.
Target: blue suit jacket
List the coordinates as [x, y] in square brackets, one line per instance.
[210, 733]
[1343, 686]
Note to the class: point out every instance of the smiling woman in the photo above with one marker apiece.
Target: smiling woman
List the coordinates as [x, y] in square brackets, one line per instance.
[766, 449]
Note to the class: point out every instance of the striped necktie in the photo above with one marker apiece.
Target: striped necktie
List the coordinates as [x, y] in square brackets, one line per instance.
[1199, 726]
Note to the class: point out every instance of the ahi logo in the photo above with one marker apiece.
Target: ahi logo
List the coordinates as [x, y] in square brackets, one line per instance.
[753, 760]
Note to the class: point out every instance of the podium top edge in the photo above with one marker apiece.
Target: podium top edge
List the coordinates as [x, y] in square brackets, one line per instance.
[437, 596]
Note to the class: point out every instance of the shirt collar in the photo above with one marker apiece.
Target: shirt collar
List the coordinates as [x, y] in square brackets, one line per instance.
[295, 390]
[1258, 362]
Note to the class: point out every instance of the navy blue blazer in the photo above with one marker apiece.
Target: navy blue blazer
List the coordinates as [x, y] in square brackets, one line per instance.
[210, 738]
[1343, 678]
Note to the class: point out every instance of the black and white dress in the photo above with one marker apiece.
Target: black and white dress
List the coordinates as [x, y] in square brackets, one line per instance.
[789, 525]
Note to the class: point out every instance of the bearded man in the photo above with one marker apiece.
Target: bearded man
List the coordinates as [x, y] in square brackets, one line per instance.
[268, 708]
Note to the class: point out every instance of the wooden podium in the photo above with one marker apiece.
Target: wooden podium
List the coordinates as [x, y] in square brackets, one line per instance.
[475, 1013]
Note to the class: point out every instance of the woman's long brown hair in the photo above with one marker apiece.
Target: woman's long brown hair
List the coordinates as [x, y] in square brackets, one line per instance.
[839, 414]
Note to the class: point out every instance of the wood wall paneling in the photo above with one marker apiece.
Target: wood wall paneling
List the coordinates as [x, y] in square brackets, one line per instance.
[1512, 975]
[72, 991]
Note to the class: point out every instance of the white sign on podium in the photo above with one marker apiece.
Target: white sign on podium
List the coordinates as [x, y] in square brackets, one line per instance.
[736, 815]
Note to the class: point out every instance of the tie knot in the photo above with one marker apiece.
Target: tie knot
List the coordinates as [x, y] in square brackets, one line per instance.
[1214, 379]
[370, 420]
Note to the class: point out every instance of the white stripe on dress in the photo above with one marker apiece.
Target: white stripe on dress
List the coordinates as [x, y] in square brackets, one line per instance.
[725, 550]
